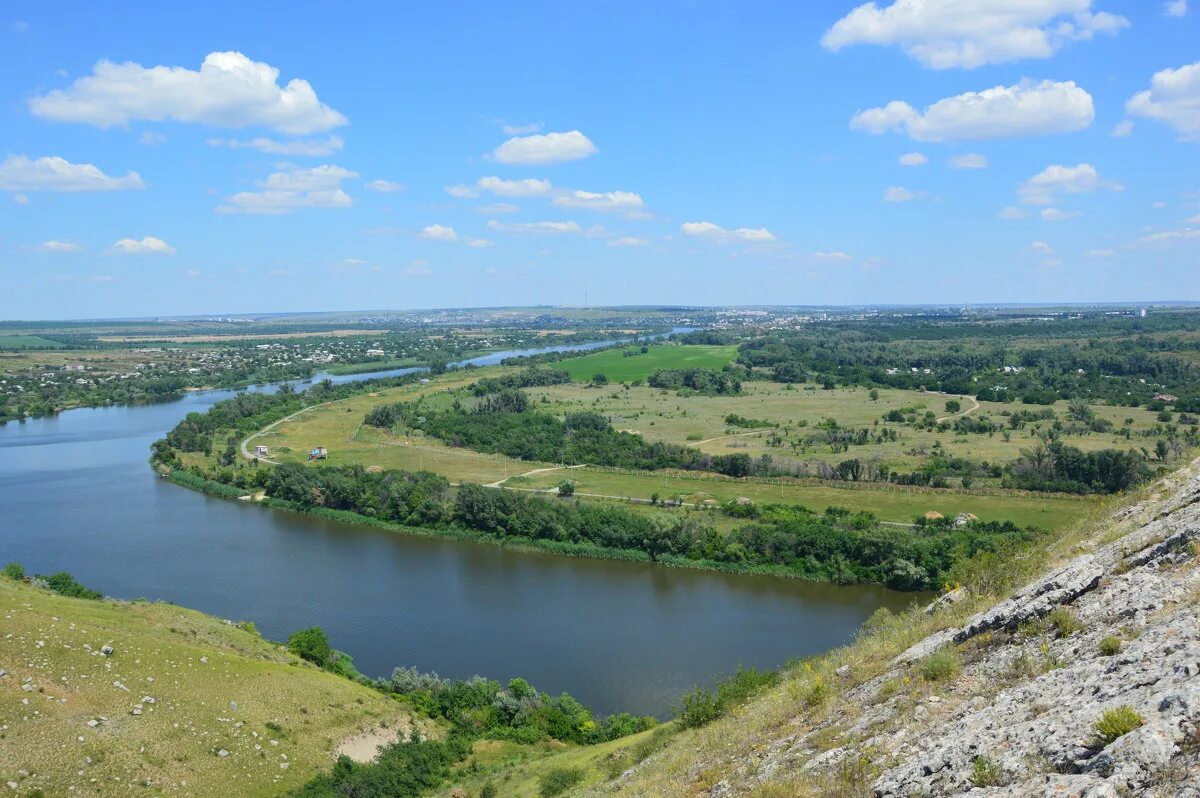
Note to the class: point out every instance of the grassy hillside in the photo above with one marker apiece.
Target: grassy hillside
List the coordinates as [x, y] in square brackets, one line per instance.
[215, 687]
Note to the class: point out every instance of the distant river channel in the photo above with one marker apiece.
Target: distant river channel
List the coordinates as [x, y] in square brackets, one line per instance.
[77, 494]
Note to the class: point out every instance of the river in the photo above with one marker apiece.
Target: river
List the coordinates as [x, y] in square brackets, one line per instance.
[77, 494]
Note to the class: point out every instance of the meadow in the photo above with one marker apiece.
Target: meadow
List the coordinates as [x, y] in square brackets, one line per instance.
[619, 367]
[27, 342]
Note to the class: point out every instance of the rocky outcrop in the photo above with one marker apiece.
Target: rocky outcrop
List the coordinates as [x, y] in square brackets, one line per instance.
[1115, 628]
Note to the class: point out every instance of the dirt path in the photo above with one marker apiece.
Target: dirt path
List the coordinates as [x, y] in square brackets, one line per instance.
[734, 435]
[246, 442]
[967, 412]
[500, 482]
[364, 746]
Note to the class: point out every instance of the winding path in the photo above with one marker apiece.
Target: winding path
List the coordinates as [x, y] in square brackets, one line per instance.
[967, 412]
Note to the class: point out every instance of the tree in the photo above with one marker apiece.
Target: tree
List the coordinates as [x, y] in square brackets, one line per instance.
[14, 570]
[874, 394]
[310, 644]
[566, 488]
[953, 406]
[599, 379]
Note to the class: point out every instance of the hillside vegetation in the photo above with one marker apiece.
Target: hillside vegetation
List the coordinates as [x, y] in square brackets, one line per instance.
[185, 704]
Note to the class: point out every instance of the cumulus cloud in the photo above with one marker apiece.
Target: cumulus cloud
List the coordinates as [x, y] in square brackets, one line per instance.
[1059, 215]
[19, 173]
[1025, 109]
[1013, 213]
[439, 232]
[1041, 248]
[146, 246]
[628, 241]
[529, 187]
[497, 208]
[1122, 129]
[944, 34]
[913, 159]
[833, 257]
[899, 194]
[1101, 253]
[1057, 180]
[970, 160]
[1174, 99]
[1175, 8]
[229, 90]
[721, 235]
[292, 188]
[536, 227]
[545, 148]
[59, 246]
[384, 186]
[479, 243]
[1171, 236]
[625, 202]
[297, 147]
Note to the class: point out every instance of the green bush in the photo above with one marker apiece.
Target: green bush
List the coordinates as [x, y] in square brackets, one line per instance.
[65, 584]
[310, 644]
[556, 781]
[985, 772]
[698, 708]
[1063, 622]
[14, 570]
[940, 666]
[701, 707]
[488, 790]
[1116, 723]
[1110, 646]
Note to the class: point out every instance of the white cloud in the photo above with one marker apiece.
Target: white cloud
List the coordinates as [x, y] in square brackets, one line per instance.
[835, 257]
[480, 243]
[152, 139]
[229, 90]
[913, 159]
[147, 246]
[1025, 109]
[899, 194]
[1058, 215]
[418, 268]
[625, 202]
[1175, 8]
[497, 208]
[384, 186]
[970, 160]
[298, 147]
[1041, 248]
[721, 235]
[1101, 253]
[291, 188]
[20, 199]
[535, 227]
[545, 148]
[1012, 213]
[1170, 236]
[18, 173]
[59, 246]
[1194, 219]
[628, 241]
[1122, 129]
[943, 34]
[529, 187]
[101, 278]
[462, 191]
[1057, 180]
[1173, 98]
[439, 232]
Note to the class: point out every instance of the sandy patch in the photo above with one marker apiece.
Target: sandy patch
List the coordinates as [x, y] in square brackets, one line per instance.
[364, 746]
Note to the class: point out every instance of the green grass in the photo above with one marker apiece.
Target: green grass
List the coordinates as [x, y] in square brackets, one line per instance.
[27, 342]
[193, 666]
[613, 363]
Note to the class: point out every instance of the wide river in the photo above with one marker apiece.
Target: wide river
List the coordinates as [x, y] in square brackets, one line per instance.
[77, 494]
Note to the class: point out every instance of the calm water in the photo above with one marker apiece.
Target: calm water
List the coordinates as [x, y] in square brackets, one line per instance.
[77, 494]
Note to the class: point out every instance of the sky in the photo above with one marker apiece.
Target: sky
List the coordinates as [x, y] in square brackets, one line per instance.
[270, 157]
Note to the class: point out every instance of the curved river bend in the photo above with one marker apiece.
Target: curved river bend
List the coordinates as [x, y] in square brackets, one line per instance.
[77, 494]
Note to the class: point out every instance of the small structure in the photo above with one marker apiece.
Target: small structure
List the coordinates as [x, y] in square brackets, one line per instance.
[261, 451]
[1166, 397]
[319, 453]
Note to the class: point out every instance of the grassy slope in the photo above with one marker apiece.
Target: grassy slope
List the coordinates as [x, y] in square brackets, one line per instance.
[613, 364]
[158, 651]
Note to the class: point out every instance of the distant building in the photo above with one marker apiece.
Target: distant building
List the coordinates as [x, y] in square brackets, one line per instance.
[261, 451]
[1166, 397]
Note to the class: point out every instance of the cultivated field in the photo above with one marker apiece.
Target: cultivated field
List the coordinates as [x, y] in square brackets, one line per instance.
[153, 718]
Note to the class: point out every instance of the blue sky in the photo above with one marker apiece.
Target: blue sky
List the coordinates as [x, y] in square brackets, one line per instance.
[462, 154]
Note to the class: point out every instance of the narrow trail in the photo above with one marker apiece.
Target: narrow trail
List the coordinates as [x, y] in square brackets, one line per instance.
[500, 482]
[246, 441]
[720, 437]
[967, 412]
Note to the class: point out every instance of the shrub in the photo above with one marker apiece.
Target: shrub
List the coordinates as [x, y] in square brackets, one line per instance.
[566, 488]
[940, 666]
[1063, 622]
[14, 570]
[1116, 723]
[310, 644]
[985, 772]
[558, 780]
[488, 790]
[65, 584]
[1110, 646]
[698, 708]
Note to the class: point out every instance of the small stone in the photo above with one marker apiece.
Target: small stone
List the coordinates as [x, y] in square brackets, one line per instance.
[233, 705]
[106, 650]
[222, 753]
[93, 723]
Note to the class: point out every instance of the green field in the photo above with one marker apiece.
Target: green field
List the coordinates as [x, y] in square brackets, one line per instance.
[192, 666]
[614, 364]
[27, 342]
